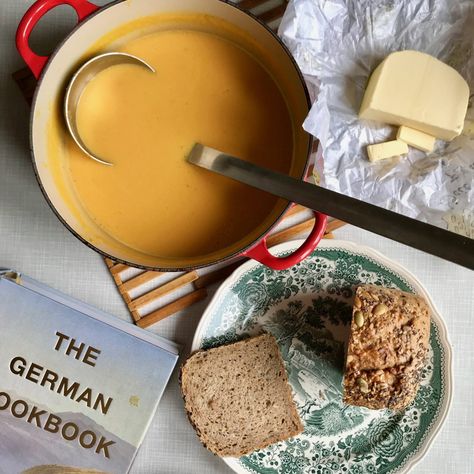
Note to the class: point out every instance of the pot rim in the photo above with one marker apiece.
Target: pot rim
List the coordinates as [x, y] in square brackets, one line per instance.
[185, 268]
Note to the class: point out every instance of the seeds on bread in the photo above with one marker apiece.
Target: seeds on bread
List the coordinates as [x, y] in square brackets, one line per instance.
[387, 348]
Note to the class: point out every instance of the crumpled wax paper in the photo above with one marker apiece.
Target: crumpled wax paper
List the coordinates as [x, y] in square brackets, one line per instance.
[337, 44]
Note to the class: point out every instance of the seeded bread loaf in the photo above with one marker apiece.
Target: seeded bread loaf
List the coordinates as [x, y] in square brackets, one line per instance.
[387, 348]
[238, 398]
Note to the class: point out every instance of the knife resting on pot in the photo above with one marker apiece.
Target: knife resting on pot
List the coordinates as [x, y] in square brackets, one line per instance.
[416, 234]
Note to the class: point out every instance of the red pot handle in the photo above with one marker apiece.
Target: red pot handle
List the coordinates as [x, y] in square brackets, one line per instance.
[261, 254]
[35, 62]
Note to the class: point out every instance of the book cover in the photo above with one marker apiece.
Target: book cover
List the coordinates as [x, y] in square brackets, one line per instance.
[78, 387]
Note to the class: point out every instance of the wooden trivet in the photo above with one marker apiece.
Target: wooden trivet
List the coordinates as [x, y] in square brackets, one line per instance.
[144, 289]
[149, 295]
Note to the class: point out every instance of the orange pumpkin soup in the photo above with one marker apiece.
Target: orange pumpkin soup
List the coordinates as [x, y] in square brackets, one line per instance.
[206, 89]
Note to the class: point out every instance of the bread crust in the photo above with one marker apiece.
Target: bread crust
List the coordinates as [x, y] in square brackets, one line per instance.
[387, 348]
[187, 372]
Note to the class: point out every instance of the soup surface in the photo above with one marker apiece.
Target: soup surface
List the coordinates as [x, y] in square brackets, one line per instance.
[206, 89]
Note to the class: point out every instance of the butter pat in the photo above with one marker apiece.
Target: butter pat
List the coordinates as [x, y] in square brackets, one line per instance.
[417, 90]
[380, 151]
[468, 128]
[416, 139]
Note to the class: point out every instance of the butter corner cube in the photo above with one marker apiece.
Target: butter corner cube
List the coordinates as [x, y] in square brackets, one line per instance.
[416, 139]
[381, 151]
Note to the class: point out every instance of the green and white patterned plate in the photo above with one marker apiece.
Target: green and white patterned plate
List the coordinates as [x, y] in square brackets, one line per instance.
[308, 309]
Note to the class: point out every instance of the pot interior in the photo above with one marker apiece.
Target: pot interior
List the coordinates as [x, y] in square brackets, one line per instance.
[107, 31]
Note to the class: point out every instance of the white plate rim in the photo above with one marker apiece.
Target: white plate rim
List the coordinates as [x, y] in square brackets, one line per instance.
[364, 250]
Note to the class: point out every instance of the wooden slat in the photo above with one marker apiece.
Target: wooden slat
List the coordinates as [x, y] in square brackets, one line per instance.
[217, 275]
[296, 209]
[273, 14]
[118, 268]
[334, 225]
[290, 233]
[249, 4]
[172, 308]
[163, 290]
[135, 315]
[139, 280]
[125, 295]
[117, 279]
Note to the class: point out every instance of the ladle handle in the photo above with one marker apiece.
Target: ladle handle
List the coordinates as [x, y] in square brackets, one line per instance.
[35, 62]
[406, 230]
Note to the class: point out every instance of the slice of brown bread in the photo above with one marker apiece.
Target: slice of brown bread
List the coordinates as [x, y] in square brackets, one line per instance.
[238, 398]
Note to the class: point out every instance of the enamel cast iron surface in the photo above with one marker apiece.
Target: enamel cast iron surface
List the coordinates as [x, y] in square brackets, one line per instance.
[417, 234]
[52, 74]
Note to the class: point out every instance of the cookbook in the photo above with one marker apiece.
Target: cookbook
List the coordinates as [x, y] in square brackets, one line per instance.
[78, 387]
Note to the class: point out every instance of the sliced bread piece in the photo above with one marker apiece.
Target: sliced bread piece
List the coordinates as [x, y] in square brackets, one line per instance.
[238, 398]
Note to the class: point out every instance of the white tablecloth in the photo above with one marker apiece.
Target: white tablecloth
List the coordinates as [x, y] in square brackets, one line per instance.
[33, 241]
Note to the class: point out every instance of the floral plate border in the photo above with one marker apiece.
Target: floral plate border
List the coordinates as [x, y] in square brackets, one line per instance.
[398, 272]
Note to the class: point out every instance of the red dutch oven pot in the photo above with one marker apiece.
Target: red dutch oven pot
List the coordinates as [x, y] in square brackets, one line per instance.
[52, 73]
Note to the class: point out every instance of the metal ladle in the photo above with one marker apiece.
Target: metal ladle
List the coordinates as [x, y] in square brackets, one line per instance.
[417, 234]
[79, 81]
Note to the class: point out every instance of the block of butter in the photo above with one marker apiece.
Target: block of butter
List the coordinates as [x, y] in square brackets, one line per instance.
[380, 151]
[417, 90]
[416, 139]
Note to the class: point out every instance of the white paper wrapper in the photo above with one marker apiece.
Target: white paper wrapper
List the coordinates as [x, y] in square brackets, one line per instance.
[337, 44]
